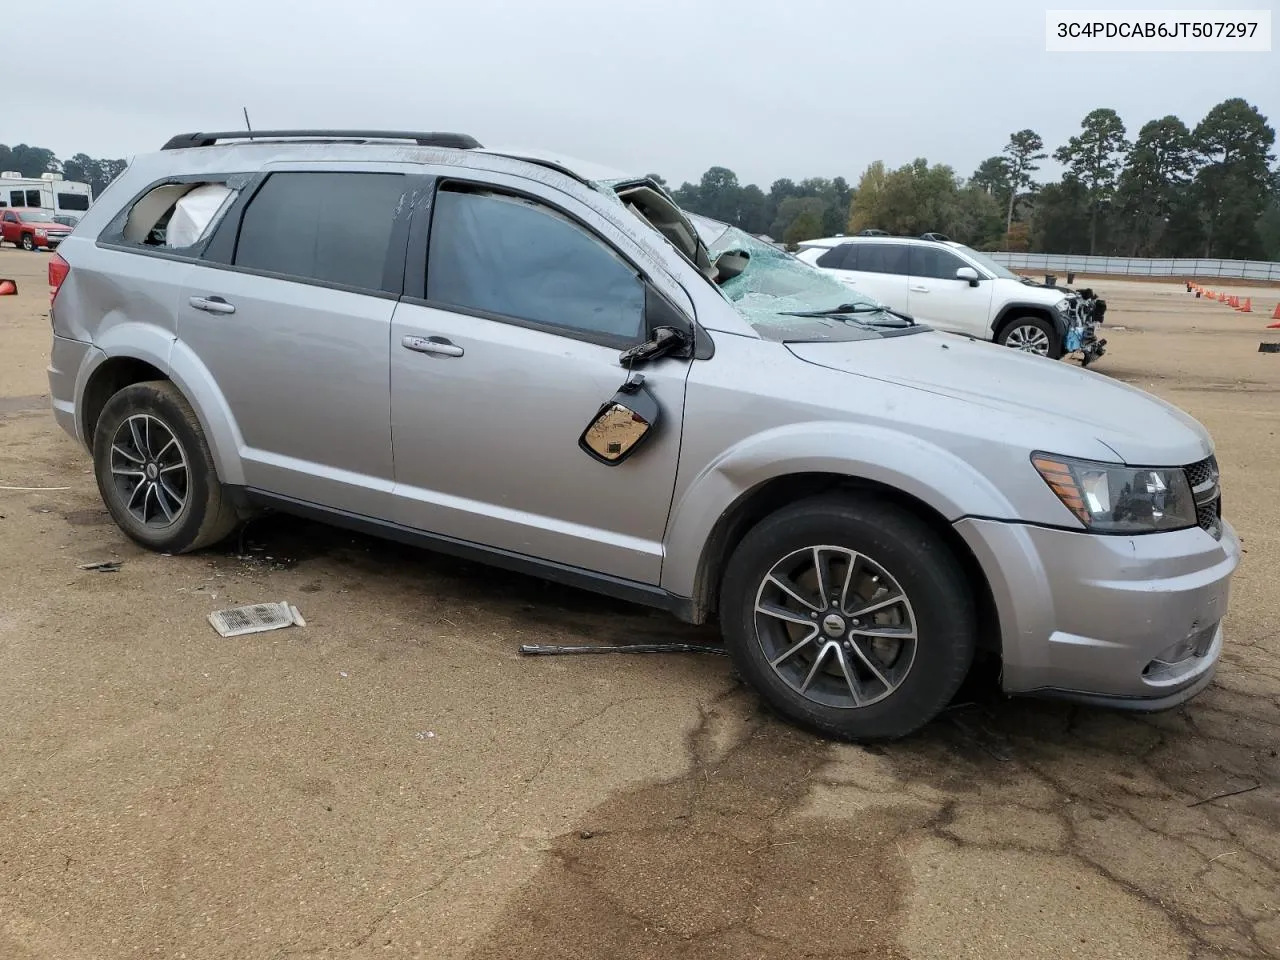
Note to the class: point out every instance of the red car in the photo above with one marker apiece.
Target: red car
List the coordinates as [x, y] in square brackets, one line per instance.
[31, 229]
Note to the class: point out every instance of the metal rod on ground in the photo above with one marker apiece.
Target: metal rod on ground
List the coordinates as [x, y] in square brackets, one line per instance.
[537, 649]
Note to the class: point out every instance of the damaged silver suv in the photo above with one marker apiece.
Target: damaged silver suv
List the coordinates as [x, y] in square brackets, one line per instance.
[522, 360]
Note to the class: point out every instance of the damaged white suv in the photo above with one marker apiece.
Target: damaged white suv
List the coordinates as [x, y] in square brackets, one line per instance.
[957, 289]
[528, 361]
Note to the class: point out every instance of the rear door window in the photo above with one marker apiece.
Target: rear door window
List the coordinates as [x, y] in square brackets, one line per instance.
[882, 258]
[839, 257]
[335, 228]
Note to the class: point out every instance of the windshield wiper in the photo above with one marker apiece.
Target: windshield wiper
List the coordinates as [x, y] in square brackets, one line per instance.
[855, 308]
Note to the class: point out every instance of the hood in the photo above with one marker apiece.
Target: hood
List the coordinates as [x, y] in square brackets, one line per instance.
[1141, 429]
[51, 227]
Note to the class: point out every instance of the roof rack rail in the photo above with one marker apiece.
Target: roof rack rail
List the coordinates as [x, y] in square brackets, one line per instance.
[458, 141]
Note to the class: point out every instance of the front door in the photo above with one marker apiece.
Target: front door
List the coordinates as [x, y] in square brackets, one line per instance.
[498, 370]
[938, 298]
[294, 331]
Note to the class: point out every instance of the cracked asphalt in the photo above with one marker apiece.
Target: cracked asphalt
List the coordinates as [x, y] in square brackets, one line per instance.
[395, 780]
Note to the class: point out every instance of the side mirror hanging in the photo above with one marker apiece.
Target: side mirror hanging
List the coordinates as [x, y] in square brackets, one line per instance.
[622, 424]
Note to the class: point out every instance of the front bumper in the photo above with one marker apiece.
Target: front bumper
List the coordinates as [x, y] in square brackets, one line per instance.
[1090, 617]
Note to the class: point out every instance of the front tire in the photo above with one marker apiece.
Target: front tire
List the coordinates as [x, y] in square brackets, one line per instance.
[28, 243]
[849, 616]
[156, 473]
[1033, 335]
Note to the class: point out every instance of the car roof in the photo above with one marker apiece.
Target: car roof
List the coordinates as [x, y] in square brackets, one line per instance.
[854, 238]
[382, 145]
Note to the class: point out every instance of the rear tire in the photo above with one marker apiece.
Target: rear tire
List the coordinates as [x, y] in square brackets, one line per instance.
[156, 473]
[884, 647]
[1033, 335]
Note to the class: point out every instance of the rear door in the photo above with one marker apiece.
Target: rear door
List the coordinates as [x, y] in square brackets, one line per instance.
[502, 358]
[879, 270]
[938, 298]
[294, 328]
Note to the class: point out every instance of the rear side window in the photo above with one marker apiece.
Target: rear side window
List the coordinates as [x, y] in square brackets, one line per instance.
[173, 216]
[331, 227]
[840, 257]
[882, 258]
[934, 262]
[515, 258]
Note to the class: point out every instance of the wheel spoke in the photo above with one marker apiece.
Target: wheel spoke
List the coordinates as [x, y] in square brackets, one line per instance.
[146, 435]
[133, 494]
[870, 665]
[136, 434]
[168, 514]
[817, 665]
[791, 591]
[848, 678]
[162, 486]
[116, 448]
[887, 633]
[172, 467]
[782, 613]
[172, 441]
[877, 605]
[121, 472]
[798, 645]
[822, 574]
[848, 580]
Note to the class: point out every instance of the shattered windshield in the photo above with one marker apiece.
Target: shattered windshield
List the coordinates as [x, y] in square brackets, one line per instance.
[774, 286]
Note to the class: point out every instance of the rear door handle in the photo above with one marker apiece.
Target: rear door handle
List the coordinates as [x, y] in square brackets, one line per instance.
[212, 305]
[919, 289]
[435, 346]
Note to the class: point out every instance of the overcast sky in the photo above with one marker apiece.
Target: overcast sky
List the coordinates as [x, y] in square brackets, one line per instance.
[768, 88]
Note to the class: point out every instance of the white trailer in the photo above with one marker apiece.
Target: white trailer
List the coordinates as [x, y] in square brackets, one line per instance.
[48, 192]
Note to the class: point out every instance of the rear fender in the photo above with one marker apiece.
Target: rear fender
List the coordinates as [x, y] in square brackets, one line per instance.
[173, 358]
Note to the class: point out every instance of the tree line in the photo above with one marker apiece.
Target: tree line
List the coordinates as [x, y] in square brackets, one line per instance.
[1173, 191]
[82, 168]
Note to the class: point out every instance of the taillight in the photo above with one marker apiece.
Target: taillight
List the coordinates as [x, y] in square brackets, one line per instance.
[59, 269]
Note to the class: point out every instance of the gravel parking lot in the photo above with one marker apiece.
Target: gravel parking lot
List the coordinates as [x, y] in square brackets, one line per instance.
[395, 780]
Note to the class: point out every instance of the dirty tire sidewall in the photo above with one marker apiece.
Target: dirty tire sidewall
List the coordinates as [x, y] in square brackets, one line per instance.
[921, 562]
[1050, 330]
[209, 516]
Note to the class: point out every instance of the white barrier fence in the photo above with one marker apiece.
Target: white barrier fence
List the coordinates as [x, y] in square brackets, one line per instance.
[1062, 264]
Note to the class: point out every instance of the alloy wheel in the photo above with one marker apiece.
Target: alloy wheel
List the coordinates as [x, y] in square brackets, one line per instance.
[1029, 339]
[835, 626]
[150, 472]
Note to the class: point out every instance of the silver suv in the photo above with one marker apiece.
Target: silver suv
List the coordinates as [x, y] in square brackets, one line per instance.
[519, 359]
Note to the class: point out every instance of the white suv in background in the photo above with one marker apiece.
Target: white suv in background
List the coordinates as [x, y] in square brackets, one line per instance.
[953, 288]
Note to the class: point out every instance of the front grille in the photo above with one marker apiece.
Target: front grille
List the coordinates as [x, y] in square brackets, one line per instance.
[1203, 477]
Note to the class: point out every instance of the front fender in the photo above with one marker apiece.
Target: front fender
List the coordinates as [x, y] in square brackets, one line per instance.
[929, 473]
[1021, 309]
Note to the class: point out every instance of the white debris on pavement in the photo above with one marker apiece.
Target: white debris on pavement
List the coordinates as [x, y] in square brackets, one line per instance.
[256, 618]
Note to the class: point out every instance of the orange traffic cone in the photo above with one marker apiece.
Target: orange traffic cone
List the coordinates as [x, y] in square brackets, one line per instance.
[1247, 307]
[1276, 314]
[8, 288]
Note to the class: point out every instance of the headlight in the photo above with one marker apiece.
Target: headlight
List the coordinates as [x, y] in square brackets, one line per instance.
[1111, 498]
[41, 233]
[1063, 305]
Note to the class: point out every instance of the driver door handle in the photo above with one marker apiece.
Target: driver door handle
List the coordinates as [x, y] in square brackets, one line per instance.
[435, 346]
[212, 305]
